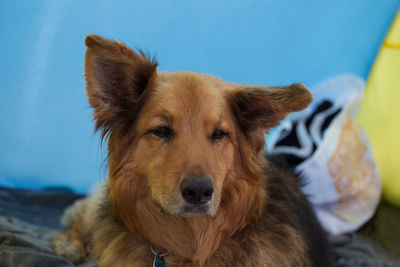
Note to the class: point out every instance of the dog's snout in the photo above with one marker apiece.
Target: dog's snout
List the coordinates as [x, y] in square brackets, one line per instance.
[197, 189]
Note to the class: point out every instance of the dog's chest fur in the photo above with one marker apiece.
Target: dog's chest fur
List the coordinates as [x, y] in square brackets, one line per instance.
[276, 238]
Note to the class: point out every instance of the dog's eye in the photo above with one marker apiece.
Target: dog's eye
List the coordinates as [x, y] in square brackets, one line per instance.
[162, 131]
[219, 134]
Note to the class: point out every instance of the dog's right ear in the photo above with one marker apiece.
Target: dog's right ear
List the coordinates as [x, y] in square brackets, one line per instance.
[116, 78]
[260, 108]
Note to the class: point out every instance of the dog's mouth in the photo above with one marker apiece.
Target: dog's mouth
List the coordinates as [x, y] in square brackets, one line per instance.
[191, 210]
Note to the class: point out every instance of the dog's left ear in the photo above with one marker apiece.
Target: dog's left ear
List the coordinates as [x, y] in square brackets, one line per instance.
[116, 79]
[259, 108]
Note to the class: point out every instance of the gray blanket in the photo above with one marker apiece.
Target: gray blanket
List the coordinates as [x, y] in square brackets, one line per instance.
[25, 244]
[27, 240]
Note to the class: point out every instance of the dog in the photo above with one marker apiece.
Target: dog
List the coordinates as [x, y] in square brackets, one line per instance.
[189, 183]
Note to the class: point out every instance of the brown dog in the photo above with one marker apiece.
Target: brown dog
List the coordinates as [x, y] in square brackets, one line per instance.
[187, 172]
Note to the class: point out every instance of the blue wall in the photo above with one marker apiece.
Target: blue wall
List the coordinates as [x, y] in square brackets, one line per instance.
[46, 136]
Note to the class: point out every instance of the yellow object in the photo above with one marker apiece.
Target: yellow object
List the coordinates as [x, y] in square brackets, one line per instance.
[380, 113]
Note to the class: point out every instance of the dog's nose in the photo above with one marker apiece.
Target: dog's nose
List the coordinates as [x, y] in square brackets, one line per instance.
[197, 189]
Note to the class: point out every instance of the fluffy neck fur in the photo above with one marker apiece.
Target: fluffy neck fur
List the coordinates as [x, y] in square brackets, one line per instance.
[192, 239]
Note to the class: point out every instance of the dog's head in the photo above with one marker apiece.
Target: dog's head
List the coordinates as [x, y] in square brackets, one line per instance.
[180, 139]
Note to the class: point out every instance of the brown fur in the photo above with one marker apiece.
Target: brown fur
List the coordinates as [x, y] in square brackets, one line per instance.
[252, 218]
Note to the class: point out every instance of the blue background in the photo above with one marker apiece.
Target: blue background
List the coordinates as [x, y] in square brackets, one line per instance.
[46, 136]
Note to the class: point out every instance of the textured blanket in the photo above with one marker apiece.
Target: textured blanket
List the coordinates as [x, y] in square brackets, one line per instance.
[30, 219]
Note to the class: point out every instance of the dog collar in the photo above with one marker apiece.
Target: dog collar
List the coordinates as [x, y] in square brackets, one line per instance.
[159, 258]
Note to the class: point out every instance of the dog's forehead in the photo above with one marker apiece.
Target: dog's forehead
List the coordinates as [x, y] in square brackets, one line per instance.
[183, 93]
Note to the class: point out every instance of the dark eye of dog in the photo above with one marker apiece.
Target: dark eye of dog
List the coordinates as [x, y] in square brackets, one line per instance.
[218, 134]
[162, 131]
